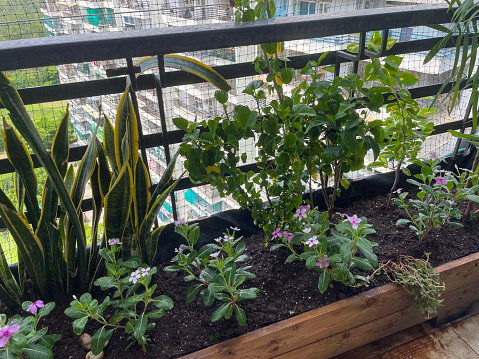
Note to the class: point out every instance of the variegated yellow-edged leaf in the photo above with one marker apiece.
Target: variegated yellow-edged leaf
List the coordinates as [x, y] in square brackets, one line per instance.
[165, 178]
[22, 162]
[118, 203]
[141, 199]
[60, 147]
[29, 247]
[85, 170]
[152, 245]
[126, 132]
[23, 123]
[97, 211]
[69, 178]
[109, 144]
[153, 212]
[104, 174]
[185, 64]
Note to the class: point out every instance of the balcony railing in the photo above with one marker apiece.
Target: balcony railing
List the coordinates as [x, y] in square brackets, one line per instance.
[32, 53]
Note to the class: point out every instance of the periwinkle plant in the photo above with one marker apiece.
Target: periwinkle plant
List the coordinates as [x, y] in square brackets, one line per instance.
[215, 270]
[333, 252]
[132, 287]
[19, 336]
[439, 192]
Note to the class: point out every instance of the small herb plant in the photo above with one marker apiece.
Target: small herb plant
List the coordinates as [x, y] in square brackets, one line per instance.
[419, 279]
[333, 252]
[215, 270]
[19, 335]
[134, 306]
[437, 199]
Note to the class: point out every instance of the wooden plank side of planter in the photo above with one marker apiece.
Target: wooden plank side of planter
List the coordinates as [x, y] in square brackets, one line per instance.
[316, 325]
[360, 335]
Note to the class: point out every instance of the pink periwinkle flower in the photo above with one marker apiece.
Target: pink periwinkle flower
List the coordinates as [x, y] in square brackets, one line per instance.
[276, 233]
[33, 308]
[180, 221]
[113, 241]
[307, 230]
[323, 262]
[312, 241]
[236, 229]
[228, 238]
[440, 180]
[354, 221]
[288, 235]
[178, 250]
[433, 155]
[134, 276]
[447, 218]
[145, 271]
[398, 191]
[6, 332]
[215, 255]
[219, 239]
[302, 212]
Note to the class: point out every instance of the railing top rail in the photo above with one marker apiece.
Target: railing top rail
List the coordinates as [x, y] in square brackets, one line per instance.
[38, 52]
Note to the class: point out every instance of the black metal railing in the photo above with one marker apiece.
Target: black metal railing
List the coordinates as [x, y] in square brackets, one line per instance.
[30, 53]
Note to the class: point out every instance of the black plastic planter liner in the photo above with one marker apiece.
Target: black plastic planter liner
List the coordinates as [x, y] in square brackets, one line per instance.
[213, 227]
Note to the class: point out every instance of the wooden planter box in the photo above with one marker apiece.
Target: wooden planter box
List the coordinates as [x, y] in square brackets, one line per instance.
[350, 323]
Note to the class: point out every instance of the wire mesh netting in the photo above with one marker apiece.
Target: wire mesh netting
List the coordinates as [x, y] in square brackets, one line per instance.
[20, 19]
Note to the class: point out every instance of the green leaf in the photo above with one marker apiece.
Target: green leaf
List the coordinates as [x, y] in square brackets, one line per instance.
[79, 325]
[156, 314]
[323, 282]
[408, 79]
[402, 221]
[36, 351]
[181, 123]
[220, 312]
[240, 315]
[362, 263]
[46, 309]
[249, 293]
[303, 110]
[192, 292]
[140, 327]
[99, 339]
[17, 342]
[162, 302]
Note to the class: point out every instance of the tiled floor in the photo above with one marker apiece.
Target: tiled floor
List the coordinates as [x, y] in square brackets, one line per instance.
[456, 340]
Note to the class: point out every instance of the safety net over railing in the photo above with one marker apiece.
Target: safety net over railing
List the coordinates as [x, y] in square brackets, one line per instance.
[88, 66]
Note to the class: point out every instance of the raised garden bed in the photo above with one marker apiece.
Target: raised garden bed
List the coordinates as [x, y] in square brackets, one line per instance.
[352, 322]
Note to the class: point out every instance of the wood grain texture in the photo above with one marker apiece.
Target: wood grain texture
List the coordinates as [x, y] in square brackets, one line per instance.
[349, 323]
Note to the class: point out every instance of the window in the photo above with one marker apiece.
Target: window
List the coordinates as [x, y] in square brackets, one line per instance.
[307, 7]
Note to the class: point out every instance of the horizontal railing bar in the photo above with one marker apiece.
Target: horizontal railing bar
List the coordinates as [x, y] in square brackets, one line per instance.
[42, 94]
[47, 51]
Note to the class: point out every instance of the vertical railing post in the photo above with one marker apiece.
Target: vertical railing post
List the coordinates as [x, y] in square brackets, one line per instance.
[160, 82]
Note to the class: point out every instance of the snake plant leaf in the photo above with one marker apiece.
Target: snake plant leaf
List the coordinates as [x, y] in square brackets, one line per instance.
[10, 98]
[109, 144]
[152, 244]
[85, 170]
[104, 174]
[154, 210]
[118, 204]
[6, 201]
[22, 162]
[142, 196]
[166, 177]
[186, 64]
[8, 283]
[29, 246]
[96, 218]
[126, 132]
[47, 230]
[19, 192]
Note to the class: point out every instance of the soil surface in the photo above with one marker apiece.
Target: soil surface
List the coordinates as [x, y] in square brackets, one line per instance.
[285, 289]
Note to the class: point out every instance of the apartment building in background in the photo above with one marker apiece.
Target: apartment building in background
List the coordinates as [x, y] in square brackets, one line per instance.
[196, 102]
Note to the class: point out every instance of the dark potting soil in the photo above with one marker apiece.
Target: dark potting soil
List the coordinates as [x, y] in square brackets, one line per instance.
[285, 289]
